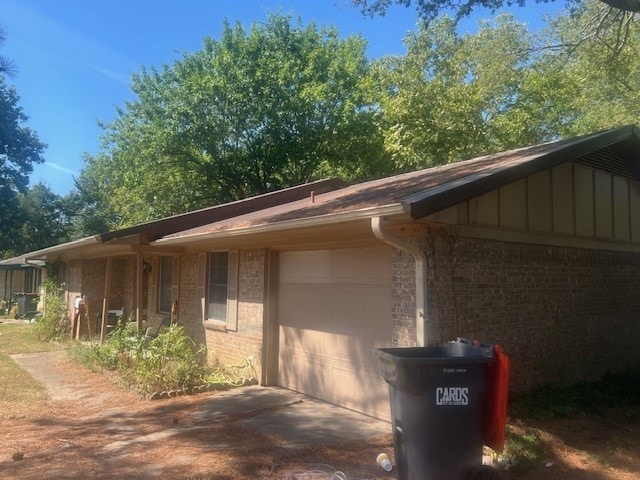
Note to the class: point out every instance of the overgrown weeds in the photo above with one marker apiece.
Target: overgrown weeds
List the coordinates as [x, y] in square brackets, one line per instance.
[54, 324]
[526, 447]
[168, 362]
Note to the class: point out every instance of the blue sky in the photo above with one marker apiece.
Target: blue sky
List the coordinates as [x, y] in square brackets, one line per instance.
[75, 57]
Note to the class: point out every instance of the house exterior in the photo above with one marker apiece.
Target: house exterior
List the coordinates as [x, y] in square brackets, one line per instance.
[537, 249]
[16, 280]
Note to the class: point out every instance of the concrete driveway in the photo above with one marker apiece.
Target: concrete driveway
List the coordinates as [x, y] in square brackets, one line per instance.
[298, 419]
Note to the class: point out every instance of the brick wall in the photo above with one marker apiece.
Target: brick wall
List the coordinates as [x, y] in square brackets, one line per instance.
[561, 314]
[86, 278]
[233, 347]
[122, 290]
[189, 300]
[227, 347]
[403, 299]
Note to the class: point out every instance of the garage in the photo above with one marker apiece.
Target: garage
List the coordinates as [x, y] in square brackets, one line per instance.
[334, 308]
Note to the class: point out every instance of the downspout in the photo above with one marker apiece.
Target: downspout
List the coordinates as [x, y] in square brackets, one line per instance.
[422, 337]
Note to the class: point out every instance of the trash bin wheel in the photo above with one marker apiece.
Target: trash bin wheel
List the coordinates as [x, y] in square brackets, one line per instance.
[483, 472]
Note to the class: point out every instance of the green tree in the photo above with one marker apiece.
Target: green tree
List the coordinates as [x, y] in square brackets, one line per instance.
[602, 71]
[457, 96]
[20, 148]
[7, 66]
[430, 9]
[249, 113]
[45, 219]
[89, 207]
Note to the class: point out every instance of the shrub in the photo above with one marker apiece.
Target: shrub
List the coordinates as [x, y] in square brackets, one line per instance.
[166, 362]
[169, 361]
[54, 324]
[146, 365]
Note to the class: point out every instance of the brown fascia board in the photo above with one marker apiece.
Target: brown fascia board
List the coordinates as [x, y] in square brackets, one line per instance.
[433, 200]
[158, 228]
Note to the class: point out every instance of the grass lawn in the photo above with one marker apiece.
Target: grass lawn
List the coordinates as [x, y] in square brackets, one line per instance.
[20, 394]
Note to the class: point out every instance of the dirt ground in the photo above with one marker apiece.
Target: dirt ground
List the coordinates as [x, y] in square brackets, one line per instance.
[117, 435]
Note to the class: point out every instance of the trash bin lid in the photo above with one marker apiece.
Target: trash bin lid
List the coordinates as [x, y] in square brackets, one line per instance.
[453, 353]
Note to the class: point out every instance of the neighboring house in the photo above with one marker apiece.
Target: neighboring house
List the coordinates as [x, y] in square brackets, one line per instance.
[18, 278]
[537, 249]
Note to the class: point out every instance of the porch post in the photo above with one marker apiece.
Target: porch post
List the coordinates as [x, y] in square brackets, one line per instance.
[139, 290]
[105, 299]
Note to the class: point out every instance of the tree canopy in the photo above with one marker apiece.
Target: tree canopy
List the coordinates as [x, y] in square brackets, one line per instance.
[430, 9]
[20, 148]
[456, 96]
[282, 104]
[249, 113]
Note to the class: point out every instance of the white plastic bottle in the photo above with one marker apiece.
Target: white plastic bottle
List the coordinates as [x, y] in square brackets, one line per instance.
[384, 461]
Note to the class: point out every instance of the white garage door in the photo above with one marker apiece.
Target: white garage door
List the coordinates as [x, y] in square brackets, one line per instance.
[334, 308]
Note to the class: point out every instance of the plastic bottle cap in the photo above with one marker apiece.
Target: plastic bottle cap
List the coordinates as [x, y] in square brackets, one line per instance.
[384, 462]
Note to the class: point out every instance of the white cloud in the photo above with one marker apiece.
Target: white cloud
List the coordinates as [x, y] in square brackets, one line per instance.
[60, 168]
[67, 46]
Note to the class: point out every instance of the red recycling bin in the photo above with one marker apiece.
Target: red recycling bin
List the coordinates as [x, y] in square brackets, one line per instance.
[497, 398]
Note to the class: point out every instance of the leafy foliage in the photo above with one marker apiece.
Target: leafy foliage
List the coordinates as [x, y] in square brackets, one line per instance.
[429, 9]
[250, 113]
[167, 362]
[600, 71]
[54, 324]
[457, 96]
[19, 150]
[282, 104]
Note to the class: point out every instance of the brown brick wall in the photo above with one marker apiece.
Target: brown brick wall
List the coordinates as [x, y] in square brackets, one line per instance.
[561, 314]
[122, 291]
[403, 299]
[227, 347]
[189, 300]
[233, 347]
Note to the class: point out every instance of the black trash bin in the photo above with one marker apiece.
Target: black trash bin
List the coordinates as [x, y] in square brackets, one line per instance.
[25, 304]
[437, 405]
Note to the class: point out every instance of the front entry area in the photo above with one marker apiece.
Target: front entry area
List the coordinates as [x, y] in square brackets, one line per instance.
[334, 308]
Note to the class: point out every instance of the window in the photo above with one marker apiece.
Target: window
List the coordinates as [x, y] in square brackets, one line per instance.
[164, 284]
[218, 289]
[218, 285]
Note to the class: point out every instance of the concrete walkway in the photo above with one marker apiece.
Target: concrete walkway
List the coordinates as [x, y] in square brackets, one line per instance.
[298, 419]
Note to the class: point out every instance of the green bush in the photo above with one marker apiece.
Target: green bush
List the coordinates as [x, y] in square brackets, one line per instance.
[147, 365]
[166, 362]
[54, 324]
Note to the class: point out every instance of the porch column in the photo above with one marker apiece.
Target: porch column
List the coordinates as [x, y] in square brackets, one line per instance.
[139, 290]
[105, 300]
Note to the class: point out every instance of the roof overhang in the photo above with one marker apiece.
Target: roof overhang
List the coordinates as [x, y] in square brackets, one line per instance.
[166, 226]
[338, 228]
[451, 193]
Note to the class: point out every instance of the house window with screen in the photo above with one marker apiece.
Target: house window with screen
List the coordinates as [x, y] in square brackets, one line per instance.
[164, 284]
[218, 286]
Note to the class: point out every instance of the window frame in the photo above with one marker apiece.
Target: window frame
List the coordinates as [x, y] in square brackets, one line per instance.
[230, 322]
[171, 261]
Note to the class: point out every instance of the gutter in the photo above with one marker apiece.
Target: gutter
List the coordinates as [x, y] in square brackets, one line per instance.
[422, 336]
[320, 220]
[43, 254]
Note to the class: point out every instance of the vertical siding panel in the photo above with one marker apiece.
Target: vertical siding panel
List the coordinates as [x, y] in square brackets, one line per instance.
[621, 226]
[513, 205]
[634, 211]
[603, 204]
[562, 186]
[539, 199]
[585, 214]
